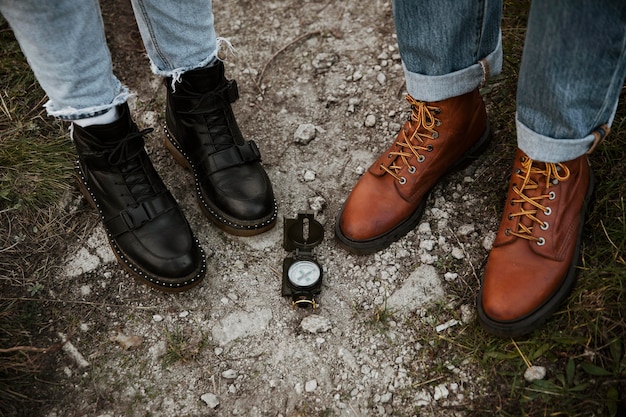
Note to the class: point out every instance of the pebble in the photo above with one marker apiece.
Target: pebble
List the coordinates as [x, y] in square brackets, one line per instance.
[534, 373]
[310, 386]
[229, 374]
[315, 324]
[304, 134]
[309, 175]
[370, 120]
[211, 400]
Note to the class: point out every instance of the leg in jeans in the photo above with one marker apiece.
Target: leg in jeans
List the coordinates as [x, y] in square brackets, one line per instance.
[572, 71]
[232, 186]
[66, 48]
[447, 51]
[65, 45]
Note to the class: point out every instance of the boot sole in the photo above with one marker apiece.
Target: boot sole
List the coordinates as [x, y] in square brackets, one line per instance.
[140, 274]
[218, 217]
[366, 247]
[538, 317]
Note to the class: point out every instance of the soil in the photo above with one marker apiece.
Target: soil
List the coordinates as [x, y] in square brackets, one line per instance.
[321, 92]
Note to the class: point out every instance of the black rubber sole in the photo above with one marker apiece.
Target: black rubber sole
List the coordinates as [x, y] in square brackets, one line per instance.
[135, 269]
[537, 318]
[366, 247]
[222, 220]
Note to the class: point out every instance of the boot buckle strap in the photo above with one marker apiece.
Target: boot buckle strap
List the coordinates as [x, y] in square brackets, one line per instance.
[232, 156]
[231, 93]
[134, 217]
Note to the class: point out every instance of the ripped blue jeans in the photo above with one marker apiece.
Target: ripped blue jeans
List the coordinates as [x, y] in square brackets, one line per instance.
[572, 70]
[65, 45]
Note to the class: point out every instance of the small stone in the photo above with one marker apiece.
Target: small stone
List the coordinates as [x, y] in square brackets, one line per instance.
[157, 318]
[315, 324]
[310, 386]
[229, 374]
[211, 400]
[357, 75]
[490, 237]
[466, 229]
[381, 78]
[441, 392]
[309, 175]
[457, 253]
[304, 134]
[127, 341]
[317, 203]
[534, 373]
[370, 120]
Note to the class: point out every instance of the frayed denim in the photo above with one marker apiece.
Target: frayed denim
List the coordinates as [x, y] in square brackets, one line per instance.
[65, 45]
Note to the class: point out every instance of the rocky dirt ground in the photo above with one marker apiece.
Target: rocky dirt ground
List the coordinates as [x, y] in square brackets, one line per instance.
[322, 90]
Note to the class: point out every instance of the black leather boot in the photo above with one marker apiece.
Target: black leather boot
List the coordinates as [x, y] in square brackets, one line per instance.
[203, 136]
[147, 230]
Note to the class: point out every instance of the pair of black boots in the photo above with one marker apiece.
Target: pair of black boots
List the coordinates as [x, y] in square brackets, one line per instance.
[146, 228]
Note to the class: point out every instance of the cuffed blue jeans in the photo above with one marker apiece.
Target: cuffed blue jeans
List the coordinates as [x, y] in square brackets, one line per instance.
[572, 70]
[65, 45]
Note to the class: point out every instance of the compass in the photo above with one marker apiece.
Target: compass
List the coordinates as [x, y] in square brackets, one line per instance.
[302, 273]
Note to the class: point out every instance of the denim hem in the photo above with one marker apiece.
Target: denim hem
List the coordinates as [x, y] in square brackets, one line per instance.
[546, 149]
[441, 87]
[176, 73]
[70, 113]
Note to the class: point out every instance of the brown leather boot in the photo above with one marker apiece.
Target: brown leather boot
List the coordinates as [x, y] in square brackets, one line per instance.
[532, 265]
[389, 199]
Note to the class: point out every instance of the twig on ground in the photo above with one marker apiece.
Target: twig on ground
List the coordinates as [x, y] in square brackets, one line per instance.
[281, 50]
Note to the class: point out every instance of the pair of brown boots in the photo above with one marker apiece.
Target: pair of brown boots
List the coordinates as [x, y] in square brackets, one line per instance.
[531, 267]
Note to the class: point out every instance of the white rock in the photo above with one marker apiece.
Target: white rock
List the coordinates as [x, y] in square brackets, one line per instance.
[229, 374]
[315, 324]
[211, 400]
[534, 373]
[381, 78]
[457, 253]
[466, 229]
[370, 120]
[310, 386]
[440, 392]
[157, 318]
[304, 134]
[488, 240]
[421, 287]
[309, 175]
[240, 324]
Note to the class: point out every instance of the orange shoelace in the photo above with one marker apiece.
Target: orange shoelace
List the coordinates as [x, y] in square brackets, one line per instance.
[532, 176]
[424, 122]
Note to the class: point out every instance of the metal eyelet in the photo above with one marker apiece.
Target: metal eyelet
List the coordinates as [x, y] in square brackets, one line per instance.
[510, 216]
[437, 122]
[412, 169]
[507, 232]
[555, 182]
[544, 226]
[541, 241]
[548, 211]
[421, 158]
[402, 180]
[435, 135]
[551, 195]
[518, 171]
[430, 148]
